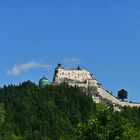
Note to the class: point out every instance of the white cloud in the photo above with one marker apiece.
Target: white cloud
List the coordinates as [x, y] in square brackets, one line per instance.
[70, 62]
[18, 69]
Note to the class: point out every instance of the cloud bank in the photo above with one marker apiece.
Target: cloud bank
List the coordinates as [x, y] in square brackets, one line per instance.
[18, 69]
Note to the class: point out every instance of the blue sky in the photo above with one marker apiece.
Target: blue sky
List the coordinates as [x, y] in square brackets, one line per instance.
[103, 36]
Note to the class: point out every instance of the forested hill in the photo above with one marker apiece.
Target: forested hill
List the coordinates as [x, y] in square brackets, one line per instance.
[28, 112]
[40, 113]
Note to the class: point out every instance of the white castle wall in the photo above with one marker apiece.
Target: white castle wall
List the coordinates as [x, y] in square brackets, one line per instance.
[78, 75]
[114, 100]
[130, 104]
[108, 96]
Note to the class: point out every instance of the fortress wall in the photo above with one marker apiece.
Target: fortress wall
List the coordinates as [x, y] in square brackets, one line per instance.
[114, 100]
[129, 104]
[108, 96]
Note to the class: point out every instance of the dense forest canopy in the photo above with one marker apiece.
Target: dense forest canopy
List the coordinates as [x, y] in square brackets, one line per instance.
[28, 112]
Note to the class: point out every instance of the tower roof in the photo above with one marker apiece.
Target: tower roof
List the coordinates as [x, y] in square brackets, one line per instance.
[44, 78]
[43, 82]
[59, 66]
[78, 68]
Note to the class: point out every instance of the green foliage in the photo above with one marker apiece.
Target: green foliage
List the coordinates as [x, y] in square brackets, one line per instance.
[122, 94]
[132, 114]
[28, 112]
[2, 114]
[106, 126]
[11, 137]
[34, 113]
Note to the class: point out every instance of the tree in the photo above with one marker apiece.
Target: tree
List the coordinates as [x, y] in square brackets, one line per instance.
[122, 94]
[106, 126]
[2, 114]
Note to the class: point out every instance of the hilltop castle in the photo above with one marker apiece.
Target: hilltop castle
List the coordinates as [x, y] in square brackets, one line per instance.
[86, 81]
[79, 77]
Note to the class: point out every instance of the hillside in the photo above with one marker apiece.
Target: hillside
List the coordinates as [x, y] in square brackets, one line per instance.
[51, 113]
[37, 113]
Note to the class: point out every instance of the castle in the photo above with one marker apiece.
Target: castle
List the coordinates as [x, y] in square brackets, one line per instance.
[79, 77]
[86, 81]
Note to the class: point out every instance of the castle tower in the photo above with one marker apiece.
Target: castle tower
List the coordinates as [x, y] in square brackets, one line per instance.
[43, 82]
[57, 69]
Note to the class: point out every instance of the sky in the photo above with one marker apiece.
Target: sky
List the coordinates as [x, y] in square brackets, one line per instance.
[102, 36]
